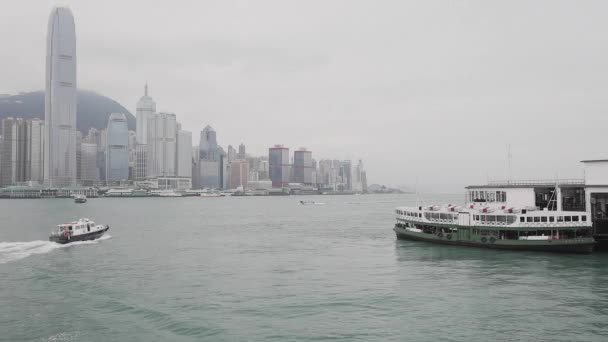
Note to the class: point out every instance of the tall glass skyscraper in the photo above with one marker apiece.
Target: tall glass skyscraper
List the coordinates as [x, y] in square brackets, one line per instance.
[60, 100]
[278, 159]
[117, 155]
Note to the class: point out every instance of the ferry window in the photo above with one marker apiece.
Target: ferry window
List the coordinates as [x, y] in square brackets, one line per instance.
[522, 219]
[543, 219]
[511, 219]
[584, 218]
[427, 216]
[536, 219]
[574, 218]
[443, 216]
[492, 218]
[501, 219]
[560, 219]
[528, 219]
[476, 217]
[551, 218]
[420, 215]
[567, 218]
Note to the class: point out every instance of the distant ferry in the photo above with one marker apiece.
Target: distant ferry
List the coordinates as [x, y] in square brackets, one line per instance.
[517, 217]
[80, 199]
[81, 230]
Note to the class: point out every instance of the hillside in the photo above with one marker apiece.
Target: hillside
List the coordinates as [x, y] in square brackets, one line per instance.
[93, 109]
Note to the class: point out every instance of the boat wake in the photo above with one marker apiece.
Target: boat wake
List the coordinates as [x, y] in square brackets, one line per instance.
[13, 251]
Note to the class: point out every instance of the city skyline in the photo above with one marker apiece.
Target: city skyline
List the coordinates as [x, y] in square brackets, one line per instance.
[401, 85]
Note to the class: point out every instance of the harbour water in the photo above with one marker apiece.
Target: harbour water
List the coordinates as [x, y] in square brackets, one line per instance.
[268, 268]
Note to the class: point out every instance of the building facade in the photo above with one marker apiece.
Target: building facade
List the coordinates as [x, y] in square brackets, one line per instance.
[60, 100]
[117, 152]
[302, 166]
[184, 154]
[279, 168]
[239, 174]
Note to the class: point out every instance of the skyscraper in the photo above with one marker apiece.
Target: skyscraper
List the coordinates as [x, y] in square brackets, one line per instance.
[60, 100]
[208, 144]
[146, 109]
[241, 154]
[184, 154]
[279, 168]
[302, 166]
[117, 153]
[15, 152]
[162, 145]
[239, 173]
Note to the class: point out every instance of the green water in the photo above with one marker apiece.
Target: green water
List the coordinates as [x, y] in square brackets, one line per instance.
[270, 269]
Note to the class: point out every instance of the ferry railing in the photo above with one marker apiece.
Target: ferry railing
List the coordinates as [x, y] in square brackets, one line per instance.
[537, 182]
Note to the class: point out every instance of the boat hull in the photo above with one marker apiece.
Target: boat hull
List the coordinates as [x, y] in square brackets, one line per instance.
[84, 237]
[579, 246]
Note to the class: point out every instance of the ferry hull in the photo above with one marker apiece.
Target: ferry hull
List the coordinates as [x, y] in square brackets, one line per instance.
[84, 237]
[579, 246]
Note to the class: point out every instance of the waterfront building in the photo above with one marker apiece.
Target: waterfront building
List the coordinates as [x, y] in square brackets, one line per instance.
[117, 154]
[36, 151]
[358, 177]
[89, 172]
[239, 174]
[162, 147]
[279, 168]
[15, 151]
[141, 162]
[145, 112]
[60, 100]
[196, 170]
[346, 173]
[209, 176]
[302, 166]
[213, 163]
[184, 154]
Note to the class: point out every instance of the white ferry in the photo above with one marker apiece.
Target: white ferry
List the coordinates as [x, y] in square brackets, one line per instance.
[81, 230]
[535, 216]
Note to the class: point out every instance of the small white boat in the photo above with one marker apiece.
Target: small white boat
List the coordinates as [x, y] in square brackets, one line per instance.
[81, 230]
[211, 194]
[311, 203]
[80, 199]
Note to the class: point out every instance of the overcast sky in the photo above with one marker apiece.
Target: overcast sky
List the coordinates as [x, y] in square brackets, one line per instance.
[425, 92]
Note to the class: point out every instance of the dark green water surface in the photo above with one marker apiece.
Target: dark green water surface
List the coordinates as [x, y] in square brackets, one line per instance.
[270, 269]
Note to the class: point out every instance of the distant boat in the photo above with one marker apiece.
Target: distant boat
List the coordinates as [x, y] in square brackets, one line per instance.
[80, 199]
[311, 203]
[81, 230]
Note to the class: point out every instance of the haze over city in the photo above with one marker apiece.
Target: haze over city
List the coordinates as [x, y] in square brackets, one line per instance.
[425, 93]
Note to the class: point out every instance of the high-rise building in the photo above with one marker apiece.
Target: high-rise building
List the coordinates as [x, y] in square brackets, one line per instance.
[117, 152]
[346, 172]
[239, 174]
[208, 144]
[146, 109]
[241, 154]
[279, 168]
[231, 155]
[302, 166]
[184, 154]
[196, 170]
[162, 147]
[213, 161]
[16, 152]
[89, 172]
[37, 151]
[60, 100]
[141, 162]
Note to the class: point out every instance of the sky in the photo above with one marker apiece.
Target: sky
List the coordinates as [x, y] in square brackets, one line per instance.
[429, 94]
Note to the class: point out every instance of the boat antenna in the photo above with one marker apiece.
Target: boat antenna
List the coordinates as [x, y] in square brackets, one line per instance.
[509, 160]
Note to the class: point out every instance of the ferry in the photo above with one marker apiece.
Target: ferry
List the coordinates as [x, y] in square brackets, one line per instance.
[81, 230]
[531, 216]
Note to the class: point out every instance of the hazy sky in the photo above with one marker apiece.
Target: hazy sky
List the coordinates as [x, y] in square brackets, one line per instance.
[426, 92]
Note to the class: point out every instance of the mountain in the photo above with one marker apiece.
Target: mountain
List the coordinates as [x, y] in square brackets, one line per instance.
[93, 109]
